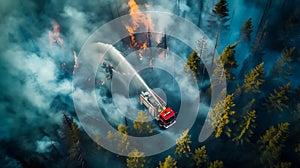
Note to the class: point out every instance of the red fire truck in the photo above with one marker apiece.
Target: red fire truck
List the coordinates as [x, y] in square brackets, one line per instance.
[157, 107]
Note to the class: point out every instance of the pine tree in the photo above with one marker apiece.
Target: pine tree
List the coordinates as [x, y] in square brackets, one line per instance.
[193, 65]
[283, 165]
[228, 59]
[224, 111]
[142, 124]
[66, 128]
[216, 164]
[246, 30]
[248, 107]
[278, 100]
[221, 9]
[120, 138]
[183, 144]
[218, 73]
[168, 163]
[296, 113]
[200, 157]
[272, 142]
[287, 54]
[219, 18]
[136, 159]
[281, 69]
[97, 141]
[254, 80]
[246, 127]
[297, 148]
[71, 133]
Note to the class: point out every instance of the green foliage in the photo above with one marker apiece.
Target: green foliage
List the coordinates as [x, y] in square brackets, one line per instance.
[221, 9]
[254, 80]
[71, 132]
[248, 107]
[279, 99]
[283, 165]
[136, 159]
[97, 140]
[296, 113]
[287, 54]
[183, 144]
[297, 148]
[225, 110]
[193, 65]
[123, 129]
[168, 163]
[219, 17]
[282, 68]
[228, 59]
[74, 133]
[246, 30]
[246, 127]
[142, 124]
[218, 73]
[120, 138]
[272, 142]
[200, 157]
[216, 164]
[215, 114]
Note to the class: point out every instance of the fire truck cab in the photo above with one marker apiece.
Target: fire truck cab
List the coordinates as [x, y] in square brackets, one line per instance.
[159, 110]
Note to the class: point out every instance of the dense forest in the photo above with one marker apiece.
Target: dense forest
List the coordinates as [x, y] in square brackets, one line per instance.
[258, 46]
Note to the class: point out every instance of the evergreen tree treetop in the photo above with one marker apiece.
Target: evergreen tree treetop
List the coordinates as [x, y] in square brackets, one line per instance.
[279, 99]
[168, 163]
[272, 143]
[183, 144]
[246, 30]
[228, 59]
[255, 79]
[200, 156]
[221, 9]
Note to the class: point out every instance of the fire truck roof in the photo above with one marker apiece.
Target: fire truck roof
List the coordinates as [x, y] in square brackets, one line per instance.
[167, 113]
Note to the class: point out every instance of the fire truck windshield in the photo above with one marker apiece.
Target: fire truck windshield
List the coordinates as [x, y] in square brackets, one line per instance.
[168, 121]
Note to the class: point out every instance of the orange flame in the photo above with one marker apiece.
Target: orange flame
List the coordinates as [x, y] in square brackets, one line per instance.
[138, 19]
[75, 60]
[54, 35]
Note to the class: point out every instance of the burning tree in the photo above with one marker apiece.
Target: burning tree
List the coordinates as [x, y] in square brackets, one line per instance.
[54, 36]
[139, 21]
